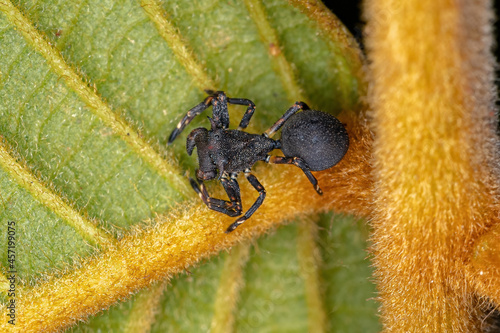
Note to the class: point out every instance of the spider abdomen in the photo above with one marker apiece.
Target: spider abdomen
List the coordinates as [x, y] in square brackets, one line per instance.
[317, 137]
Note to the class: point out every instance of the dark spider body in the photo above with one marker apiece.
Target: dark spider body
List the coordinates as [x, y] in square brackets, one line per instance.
[230, 151]
[310, 140]
[318, 138]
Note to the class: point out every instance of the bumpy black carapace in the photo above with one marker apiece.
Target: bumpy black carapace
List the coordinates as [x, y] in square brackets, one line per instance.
[310, 139]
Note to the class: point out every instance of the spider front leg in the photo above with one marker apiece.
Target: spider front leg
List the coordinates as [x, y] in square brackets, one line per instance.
[262, 195]
[297, 161]
[189, 117]
[231, 208]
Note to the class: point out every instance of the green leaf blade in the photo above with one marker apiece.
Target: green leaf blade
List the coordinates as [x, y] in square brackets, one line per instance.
[132, 68]
[36, 252]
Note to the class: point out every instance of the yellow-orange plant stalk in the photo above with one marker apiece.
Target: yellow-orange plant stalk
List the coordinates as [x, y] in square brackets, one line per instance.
[435, 155]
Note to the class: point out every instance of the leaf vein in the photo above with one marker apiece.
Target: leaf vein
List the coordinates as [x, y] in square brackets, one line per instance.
[269, 37]
[146, 305]
[116, 44]
[310, 261]
[69, 156]
[228, 292]
[62, 41]
[47, 119]
[178, 46]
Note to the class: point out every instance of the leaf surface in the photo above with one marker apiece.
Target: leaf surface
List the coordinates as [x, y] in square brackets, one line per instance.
[88, 95]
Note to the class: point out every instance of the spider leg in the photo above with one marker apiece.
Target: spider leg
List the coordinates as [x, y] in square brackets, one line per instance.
[262, 195]
[220, 113]
[248, 113]
[231, 208]
[290, 112]
[189, 117]
[232, 190]
[297, 161]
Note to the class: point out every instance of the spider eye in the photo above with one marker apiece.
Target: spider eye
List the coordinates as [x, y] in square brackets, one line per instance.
[207, 175]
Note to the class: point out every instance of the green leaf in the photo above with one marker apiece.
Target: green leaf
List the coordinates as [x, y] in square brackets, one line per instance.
[84, 121]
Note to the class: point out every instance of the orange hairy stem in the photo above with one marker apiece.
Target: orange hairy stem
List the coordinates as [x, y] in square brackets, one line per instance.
[348, 186]
[434, 128]
[484, 268]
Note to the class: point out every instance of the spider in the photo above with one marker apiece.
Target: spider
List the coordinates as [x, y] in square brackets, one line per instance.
[311, 140]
